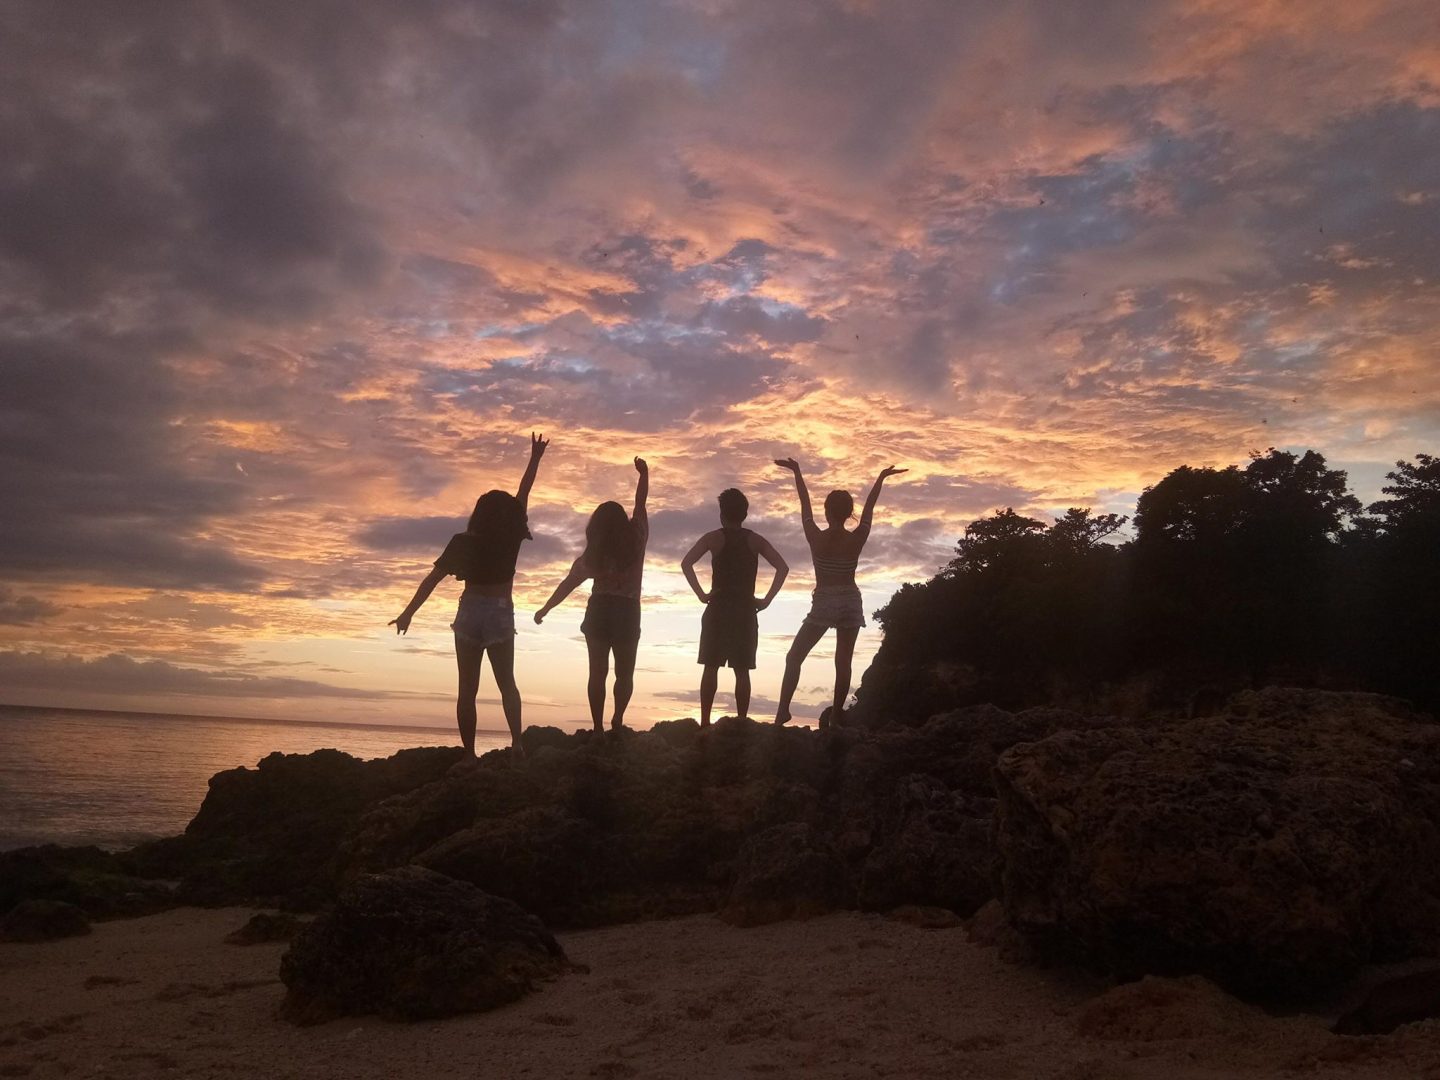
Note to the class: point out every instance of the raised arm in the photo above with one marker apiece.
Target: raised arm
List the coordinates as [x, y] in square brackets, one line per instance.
[868, 514]
[538, 443]
[569, 584]
[767, 551]
[807, 515]
[642, 490]
[402, 621]
[687, 564]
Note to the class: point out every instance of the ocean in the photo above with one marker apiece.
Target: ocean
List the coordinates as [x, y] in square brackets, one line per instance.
[114, 779]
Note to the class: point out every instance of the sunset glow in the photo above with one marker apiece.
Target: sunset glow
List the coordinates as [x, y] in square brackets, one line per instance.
[286, 286]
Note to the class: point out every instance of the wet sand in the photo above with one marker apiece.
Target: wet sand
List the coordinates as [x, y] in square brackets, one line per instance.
[847, 995]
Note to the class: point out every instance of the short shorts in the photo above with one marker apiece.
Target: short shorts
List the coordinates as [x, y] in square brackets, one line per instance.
[729, 631]
[838, 606]
[612, 620]
[484, 620]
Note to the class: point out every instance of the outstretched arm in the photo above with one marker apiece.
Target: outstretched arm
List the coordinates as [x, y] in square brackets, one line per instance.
[687, 564]
[868, 514]
[766, 550]
[402, 621]
[538, 443]
[807, 515]
[572, 580]
[642, 490]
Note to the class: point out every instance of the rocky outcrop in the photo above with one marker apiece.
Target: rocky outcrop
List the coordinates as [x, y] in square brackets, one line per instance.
[411, 944]
[1274, 848]
[100, 883]
[266, 835]
[43, 920]
[786, 872]
[266, 928]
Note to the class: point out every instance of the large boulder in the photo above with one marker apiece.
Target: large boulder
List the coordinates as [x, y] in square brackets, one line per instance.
[1275, 847]
[413, 944]
[100, 883]
[43, 920]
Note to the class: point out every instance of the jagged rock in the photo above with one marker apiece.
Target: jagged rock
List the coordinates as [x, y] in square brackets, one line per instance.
[1274, 848]
[786, 872]
[266, 835]
[267, 927]
[412, 944]
[43, 920]
[1402, 999]
[98, 882]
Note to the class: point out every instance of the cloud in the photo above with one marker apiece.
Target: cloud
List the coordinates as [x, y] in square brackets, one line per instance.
[18, 609]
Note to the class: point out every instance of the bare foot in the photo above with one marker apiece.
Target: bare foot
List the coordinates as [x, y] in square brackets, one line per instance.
[782, 718]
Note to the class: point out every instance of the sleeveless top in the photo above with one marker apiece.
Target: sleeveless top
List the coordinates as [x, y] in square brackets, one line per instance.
[733, 567]
[624, 582]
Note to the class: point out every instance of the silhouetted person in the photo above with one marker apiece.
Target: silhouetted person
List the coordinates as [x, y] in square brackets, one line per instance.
[483, 557]
[614, 556]
[836, 600]
[729, 628]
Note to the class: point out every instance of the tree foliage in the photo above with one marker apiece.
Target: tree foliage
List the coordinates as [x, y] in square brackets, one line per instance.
[1234, 577]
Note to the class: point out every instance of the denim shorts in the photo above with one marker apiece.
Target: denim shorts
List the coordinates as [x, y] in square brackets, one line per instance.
[484, 620]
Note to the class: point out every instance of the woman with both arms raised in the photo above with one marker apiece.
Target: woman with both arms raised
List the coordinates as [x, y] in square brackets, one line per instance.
[483, 557]
[836, 600]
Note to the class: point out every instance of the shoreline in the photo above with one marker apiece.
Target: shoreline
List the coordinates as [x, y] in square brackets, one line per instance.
[842, 995]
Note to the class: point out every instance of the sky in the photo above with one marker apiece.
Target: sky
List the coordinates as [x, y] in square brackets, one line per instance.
[285, 286]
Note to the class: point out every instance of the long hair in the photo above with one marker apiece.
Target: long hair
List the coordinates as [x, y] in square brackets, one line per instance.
[610, 540]
[839, 506]
[498, 515]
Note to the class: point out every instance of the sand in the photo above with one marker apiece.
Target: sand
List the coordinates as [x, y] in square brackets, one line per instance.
[847, 995]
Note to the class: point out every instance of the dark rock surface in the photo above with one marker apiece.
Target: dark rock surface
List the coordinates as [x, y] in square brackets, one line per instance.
[267, 927]
[43, 920]
[1275, 847]
[100, 883]
[786, 872]
[412, 944]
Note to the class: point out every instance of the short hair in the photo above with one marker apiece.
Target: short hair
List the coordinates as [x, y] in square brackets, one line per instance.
[733, 505]
[839, 506]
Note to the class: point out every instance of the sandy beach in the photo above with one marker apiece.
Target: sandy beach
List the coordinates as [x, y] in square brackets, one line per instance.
[846, 995]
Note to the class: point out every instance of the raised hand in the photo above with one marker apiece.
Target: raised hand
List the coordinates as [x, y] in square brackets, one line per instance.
[538, 443]
[641, 467]
[401, 624]
[788, 463]
[891, 470]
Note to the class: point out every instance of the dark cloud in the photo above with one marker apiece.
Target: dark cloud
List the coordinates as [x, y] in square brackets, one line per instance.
[18, 609]
[119, 674]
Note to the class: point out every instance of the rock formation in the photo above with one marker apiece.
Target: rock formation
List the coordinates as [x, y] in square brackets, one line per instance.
[411, 944]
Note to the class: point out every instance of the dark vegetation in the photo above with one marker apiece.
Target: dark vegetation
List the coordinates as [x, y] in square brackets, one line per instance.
[1236, 578]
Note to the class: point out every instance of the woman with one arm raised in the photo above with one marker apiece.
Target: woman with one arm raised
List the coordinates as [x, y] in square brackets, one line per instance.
[836, 601]
[614, 556]
[483, 557]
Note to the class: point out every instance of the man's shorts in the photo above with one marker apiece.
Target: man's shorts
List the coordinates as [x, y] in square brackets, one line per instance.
[729, 631]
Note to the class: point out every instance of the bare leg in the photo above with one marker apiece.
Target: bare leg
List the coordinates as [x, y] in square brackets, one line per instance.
[595, 688]
[502, 663]
[844, 654]
[468, 659]
[800, 648]
[624, 678]
[742, 692]
[707, 694]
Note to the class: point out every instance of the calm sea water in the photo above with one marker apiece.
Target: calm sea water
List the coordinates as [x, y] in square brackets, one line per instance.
[114, 779]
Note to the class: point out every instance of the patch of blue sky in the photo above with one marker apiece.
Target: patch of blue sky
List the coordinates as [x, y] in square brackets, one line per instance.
[497, 330]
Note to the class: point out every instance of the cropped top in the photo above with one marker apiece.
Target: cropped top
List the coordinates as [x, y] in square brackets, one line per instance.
[480, 560]
[733, 567]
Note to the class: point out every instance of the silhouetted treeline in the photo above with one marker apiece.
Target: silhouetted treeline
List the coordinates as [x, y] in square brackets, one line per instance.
[1274, 573]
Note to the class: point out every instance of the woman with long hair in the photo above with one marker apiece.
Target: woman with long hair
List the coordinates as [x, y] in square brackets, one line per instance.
[836, 600]
[483, 557]
[614, 556]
